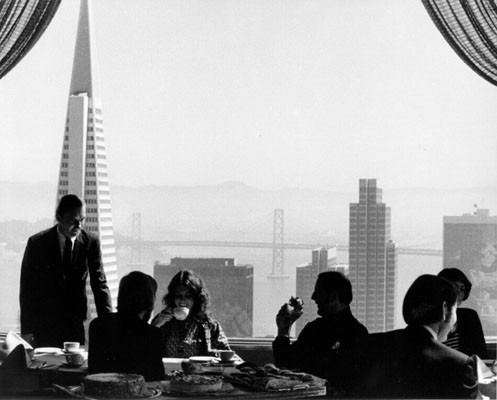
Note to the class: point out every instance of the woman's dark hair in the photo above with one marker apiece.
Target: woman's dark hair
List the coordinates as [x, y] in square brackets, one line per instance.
[456, 275]
[136, 293]
[195, 284]
[423, 302]
[336, 282]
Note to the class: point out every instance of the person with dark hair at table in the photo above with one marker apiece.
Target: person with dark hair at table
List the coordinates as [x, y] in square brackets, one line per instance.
[54, 272]
[326, 346]
[124, 341]
[467, 334]
[412, 362]
[194, 333]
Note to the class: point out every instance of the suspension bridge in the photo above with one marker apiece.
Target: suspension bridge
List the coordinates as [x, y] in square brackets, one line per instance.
[278, 244]
[260, 245]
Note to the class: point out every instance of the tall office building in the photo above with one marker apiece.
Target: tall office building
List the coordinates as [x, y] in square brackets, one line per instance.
[470, 244]
[230, 286]
[372, 259]
[306, 279]
[83, 166]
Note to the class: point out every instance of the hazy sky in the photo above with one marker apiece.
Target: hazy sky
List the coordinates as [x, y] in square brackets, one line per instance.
[271, 93]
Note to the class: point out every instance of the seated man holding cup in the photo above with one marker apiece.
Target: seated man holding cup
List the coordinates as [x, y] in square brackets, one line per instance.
[326, 346]
[124, 341]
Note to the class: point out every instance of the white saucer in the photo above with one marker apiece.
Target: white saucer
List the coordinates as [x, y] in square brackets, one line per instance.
[226, 363]
[202, 359]
[68, 353]
[48, 350]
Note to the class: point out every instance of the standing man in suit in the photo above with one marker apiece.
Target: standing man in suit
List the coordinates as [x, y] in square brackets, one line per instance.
[54, 270]
[412, 362]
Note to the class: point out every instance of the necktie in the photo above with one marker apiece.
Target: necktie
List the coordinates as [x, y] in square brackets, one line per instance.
[66, 257]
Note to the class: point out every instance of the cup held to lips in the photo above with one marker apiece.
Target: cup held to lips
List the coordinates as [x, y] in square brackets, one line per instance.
[71, 347]
[180, 313]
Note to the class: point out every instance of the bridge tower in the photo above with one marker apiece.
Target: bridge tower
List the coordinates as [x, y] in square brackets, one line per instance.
[136, 237]
[278, 270]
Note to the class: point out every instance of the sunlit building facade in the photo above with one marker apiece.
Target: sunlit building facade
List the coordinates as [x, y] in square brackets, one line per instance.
[372, 259]
[230, 286]
[83, 166]
[470, 244]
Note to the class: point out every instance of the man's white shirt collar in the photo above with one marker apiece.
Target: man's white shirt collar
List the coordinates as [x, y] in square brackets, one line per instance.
[62, 241]
[432, 332]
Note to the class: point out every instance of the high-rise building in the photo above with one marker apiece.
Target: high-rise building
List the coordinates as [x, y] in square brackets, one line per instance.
[230, 287]
[470, 244]
[372, 259]
[306, 280]
[83, 166]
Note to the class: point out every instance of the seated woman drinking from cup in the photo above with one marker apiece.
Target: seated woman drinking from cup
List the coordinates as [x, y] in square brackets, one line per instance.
[187, 329]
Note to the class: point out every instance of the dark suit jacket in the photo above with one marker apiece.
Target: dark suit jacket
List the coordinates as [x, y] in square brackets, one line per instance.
[326, 347]
[51, 299]
[471, 338]
[124, 343]
[410, 363]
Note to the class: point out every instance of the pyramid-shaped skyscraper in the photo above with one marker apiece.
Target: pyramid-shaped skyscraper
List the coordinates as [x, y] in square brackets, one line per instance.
[83, 166]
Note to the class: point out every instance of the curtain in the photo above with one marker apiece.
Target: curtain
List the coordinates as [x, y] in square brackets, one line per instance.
[470, 27]
[22, 22]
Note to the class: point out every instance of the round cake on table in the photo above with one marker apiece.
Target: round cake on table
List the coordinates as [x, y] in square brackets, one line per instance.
[115, 385]
[196, 383]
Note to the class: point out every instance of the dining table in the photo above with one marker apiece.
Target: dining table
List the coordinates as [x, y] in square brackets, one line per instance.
[51, 376]
[50, 369]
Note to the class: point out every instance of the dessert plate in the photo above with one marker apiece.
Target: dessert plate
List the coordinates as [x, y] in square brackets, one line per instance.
[77, 391]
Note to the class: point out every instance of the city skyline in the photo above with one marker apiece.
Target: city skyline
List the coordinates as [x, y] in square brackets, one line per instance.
[274, 94]
[311, 92]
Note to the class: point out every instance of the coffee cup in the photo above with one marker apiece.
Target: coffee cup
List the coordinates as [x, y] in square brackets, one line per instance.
[180, 313]
[226, 355]
[71, 347]
[75, 359]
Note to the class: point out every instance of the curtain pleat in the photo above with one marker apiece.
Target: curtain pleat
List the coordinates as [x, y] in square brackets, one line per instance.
[22, 22]
[470, 27]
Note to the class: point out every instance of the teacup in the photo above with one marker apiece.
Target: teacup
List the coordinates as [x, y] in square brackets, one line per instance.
[180, 313]
[71, 347]
[75, 359]
[226, 355]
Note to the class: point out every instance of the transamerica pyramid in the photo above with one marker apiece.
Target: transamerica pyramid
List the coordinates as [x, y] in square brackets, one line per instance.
[83, 166]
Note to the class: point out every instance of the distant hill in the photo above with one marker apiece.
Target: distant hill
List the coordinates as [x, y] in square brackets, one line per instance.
[234, 211]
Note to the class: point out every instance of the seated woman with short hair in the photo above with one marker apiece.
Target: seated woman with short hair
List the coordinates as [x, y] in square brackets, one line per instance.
[124, 341]
[187, 329]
